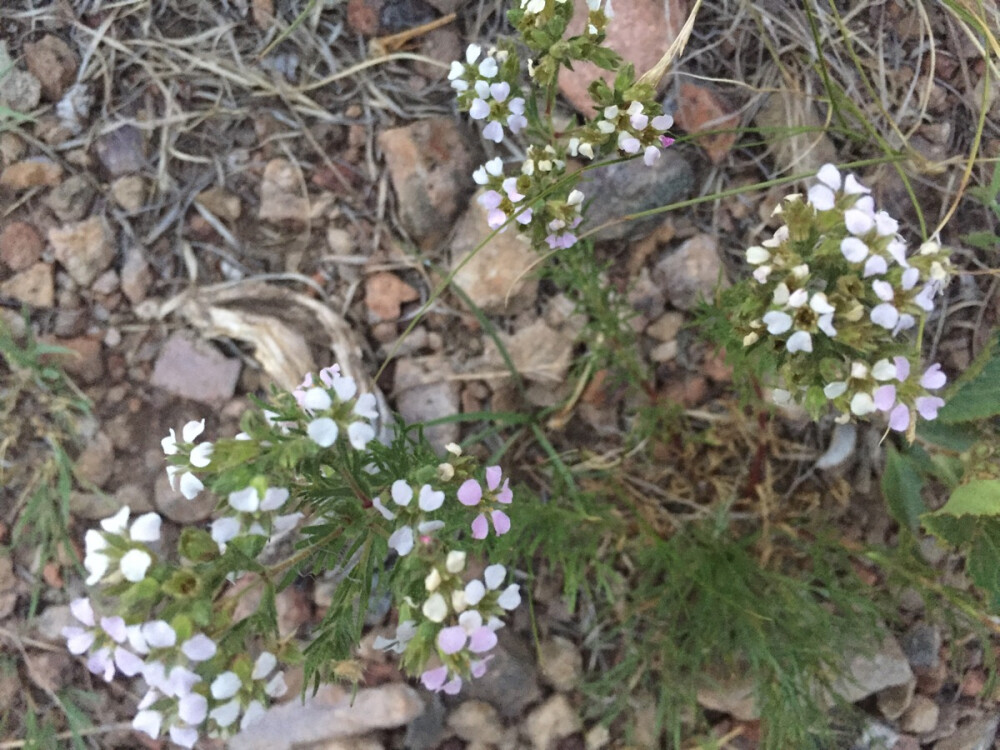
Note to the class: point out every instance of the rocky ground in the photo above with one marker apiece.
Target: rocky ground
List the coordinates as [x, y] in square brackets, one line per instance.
[200, 199]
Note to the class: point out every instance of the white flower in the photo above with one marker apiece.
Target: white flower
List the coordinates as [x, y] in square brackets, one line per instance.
[835, 389]
[433, 580]
[323, 432]
[317, 399]
[245, 500]
[183, 736]
[401, 540]
[199, 647]
[158, 634]
[761, 273]
[430, 499]
[853, 249]
[366, 406]
[883, 290]
[757, 255]
[190, 485]
[192, 708]
[474, 592]
[488, 68]
[494, 575]
[146, 528]
[435, 608]
[359, 434]
[148, 722]
[885, 315]
[798, 298]
[885, 225]
[510, 598]
[781, 294]
[200, 456]
[819, 304]
[276, 687]
[859, 370]
[225, 714]
[274, 498]
[825, 324]
[225, 530]
[858, 222]
[345, 388]
[663, 122]
[650, 156]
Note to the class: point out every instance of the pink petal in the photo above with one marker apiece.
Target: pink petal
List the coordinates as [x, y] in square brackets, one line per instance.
[899, 419]
[493, 475]
[501, 522]
[480, 528]
[902, 368]
[506, 494]
[451, 640]
[470, 493]
[933, 378]
[453, 687]
[433, 679]
[885, 397]
[483, 639]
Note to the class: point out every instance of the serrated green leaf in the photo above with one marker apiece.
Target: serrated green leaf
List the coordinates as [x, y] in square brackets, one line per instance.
[976, 395]
[978, 498]
[901, 485]
[982, 240]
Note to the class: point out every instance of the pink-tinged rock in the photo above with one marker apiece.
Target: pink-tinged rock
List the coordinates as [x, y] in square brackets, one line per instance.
[31, 173]
[20, 245]
[641, 32]
[33, 286]
[53, 63]
[195, 370]
[430, 167]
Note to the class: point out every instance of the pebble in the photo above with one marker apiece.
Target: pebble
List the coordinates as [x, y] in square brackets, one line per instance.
[427, 730]
[20, 245]
[597, 737]
[53, 63]
[85, 361]
[511, 682]
[282, 194]
[666, 327]
[34, 286]
[497, 277]
[893, 701]
[429, 165]
[560, 663]
[129, 192]
[135, 496]
[629, 187]
[50, 670]
[735, 697]
[976, 735]
[690, 272]
[640, 32]
[31, 173]
[538, 352]
[71, 200]
[423, 392]
[476, 721]
[922, 646]
[122, 151]
[385, 294]
[95, 463]
[921, 716]
[50, 623]
[868, 674]
[332, 713]
[136, 276]
[84, 248]
[178, 508]
[20, 91]
[193, 369]
[221, 203]
[551, 721]
[664, 352]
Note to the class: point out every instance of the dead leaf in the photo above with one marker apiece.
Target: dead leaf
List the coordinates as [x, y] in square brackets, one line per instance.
[700, 110]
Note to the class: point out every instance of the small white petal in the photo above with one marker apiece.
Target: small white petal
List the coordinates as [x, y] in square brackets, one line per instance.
[800, 341]
[199, 648]
[159, 634]
[225, 714]
[430, 500]
[323, 431]
[97, 565]
[781, 294]
[825, 324]
[192, 430]
[254, 713]
[148, 722]
[169, 444]
[146, 528]
[858, 222]
[359, 434]
[510, 598]
[829, 175]
[274, 498]
[226, 685]
[192, 708]
[276, 687]
[777, 322]
[401, 540]
[183, 736]
[317, 399]
[883, 290]
[190, 485]
[264, 665]
[885, 315]
[82, 610]
[862, 404]
[798, 298]
[366, 406]
[116, 524]
[820, 304]
[854, 249]
[757, 255]
[835, 389]
[884, 370]
[401, 492]
[474, 592]
[435, 608]
[853, 187]
[134, 565]
[821, 197]
[245, 500]
[455, 561]
[225, 529]
[201, 455]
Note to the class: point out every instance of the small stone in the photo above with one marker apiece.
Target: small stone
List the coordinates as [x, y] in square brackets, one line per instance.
[136, 276]
[691, 272]
[221, 203]
[84, 248]
[424, 392]
[630, 187]
[96, 461]
[362, 16]
[551, 721]
[50, 623]
[339, 241]
[442, 44]
[893, 701]
[72, 199]
[33, 286]
[476, 721]
[511, 681]
[870, 673]
[386, 293]
[429, 165]
[129, 192]
[135, 496]
[172, 504]
[499, 276]
[84, 360]
[122, 151]
[427, 730]
[976, 735]
[666, 327]
[193, 369]
[734, 697]
[12, 148]
[20, 245]
[597, 738]
[282, 194]
[399, 15]
[50, 670]
[921, 716]
[560, 663]
[31, 173]
[19, 91]
[53, 63]
[922, 646]
[664, 352]
[105, 284]
[538, 352]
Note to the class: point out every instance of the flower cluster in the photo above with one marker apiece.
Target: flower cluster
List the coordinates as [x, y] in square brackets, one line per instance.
[485, 96]
[171, 619]
[630, 128]
[830, 294]
[464, 618]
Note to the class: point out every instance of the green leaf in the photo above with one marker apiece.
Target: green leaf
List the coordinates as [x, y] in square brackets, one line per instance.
[978, 498]
[955, 437]
[901, 485]
[982, 240]
[976, 395]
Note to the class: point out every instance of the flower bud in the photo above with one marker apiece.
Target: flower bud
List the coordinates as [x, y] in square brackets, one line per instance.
[455, 562]
[433, 580]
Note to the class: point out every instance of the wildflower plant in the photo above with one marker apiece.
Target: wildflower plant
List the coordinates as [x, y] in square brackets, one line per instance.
[832, 304]
[391, 518]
